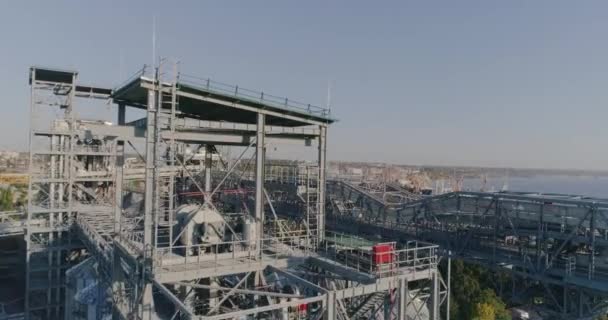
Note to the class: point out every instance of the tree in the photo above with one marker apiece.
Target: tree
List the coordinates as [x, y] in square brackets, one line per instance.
[483, 311]
[6, 200]
[488, 296]
[470, 294]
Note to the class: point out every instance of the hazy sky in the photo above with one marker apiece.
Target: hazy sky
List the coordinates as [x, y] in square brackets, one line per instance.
[497, 83]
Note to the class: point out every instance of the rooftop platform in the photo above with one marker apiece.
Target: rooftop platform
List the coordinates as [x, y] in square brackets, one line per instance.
[66, 78]
[206, 99]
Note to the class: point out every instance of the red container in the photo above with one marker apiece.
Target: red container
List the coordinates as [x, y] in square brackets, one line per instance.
[383, 253]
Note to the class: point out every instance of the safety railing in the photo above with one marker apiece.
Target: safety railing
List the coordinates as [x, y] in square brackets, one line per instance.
[95, 241]
[137, 74]
[580, 267]
[189, 123]
[241, 93]
[211, 86]
[380, 259]
[101, 204]
[420, 256]
[108, 148]
[11, 216]
[131, 234]
[11, 222]
[242, 251]
[55, 224]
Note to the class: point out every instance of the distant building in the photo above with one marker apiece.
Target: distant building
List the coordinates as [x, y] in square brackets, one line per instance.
[12, 161]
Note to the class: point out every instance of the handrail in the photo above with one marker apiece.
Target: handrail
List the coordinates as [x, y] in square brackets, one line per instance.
[417, 256]
[274, 247]
[137, 74]
[212, 86]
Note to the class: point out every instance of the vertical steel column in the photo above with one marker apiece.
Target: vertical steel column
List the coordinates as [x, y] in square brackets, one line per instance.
[434, 308]
[539, 236]
[122, 110]
[172, 155]
[62, 168]
[580, 303]
[146, 306]
[259, 178]
[69, 114]
[208, 164]
[321, 182]
[71, 160]
[592, 243]
[447, 312]
[28, 212]
[150, 166]
[330, 306]
[497, 216]
[565, 301]
[52, 193]
[120, 157]
[403, 298]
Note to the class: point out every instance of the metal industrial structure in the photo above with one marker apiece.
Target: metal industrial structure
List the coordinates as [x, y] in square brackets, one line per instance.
[553, 246]
[190, 234]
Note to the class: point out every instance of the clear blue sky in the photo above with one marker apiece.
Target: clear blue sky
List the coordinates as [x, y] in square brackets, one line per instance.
[496, 83]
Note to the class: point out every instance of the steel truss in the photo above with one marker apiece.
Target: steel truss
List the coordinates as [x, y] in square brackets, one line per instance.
[59, 187]
[556, 243]
[84, 216]
[79, 223]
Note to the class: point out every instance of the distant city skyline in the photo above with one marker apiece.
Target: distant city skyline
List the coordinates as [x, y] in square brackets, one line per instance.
[470, 83]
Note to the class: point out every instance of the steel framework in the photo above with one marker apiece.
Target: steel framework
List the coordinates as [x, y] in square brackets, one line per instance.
[555, 242]
[92, 213]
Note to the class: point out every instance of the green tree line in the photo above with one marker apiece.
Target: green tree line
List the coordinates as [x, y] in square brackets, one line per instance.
[472, 297]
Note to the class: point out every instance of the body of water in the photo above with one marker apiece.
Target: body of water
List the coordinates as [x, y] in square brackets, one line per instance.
[577, 185]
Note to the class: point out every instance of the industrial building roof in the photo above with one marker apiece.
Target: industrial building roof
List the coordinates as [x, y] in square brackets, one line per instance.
[52, 74]
[210, 100]
[66, 77]
[200, 99]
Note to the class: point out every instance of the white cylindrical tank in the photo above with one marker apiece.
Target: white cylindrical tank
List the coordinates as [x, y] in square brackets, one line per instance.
[199, 225]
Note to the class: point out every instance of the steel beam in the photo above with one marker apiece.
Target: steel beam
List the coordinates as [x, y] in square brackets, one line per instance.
[257, 310]
[169, 295]
[122, 110]
[259, 179]
[322, 183]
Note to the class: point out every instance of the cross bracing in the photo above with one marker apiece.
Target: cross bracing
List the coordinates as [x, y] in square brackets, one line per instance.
[557, 241]
[181, 230]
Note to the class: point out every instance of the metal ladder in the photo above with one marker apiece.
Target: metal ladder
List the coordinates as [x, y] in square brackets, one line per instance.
[165, 193]
[308, 180]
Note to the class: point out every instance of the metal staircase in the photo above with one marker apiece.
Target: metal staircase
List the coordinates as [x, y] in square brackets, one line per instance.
[369, 305]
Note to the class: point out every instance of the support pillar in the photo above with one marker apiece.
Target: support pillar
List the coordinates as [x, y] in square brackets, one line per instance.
[447, 311]
[259, 179]
[434, 307]
[118, 186]
[116, 267]
[122, 111]
[208, 164]
[565, 301]
[580, 303]
[403, 298]
[321, 200]
[147, 301]
[150, 168]
[330, 306]
[147, 305]
[592, 227]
